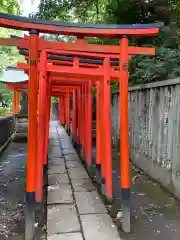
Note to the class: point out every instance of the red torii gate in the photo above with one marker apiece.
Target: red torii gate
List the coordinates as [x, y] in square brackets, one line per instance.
[107, 175]
[106, 149]
[34, 44]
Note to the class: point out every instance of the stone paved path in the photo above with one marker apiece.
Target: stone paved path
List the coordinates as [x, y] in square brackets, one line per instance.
[75, 210]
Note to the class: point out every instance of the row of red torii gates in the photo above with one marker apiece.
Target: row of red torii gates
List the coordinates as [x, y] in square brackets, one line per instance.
[65, 70]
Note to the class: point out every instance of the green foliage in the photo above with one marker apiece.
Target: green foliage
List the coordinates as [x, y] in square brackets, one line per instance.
[114, 87]
[112, 11]
[5, 96]
[149, 69]
[143, 69]
[55, 100]
[10, 6]
[164, 66]
[124, 12]
[69, 10]
[3, 111]
[8, 55]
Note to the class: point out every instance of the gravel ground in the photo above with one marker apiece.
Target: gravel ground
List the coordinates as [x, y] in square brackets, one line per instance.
[155, 214]
[12, 193]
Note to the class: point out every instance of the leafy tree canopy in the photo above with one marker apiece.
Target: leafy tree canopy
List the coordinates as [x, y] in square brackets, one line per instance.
[8, 55]
[142, 69]
[10, 6]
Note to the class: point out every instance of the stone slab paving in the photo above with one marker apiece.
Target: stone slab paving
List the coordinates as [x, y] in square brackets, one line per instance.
[67, 151]
[53, 169]
[72, 157]
[74, 210]
[66, 236]
[62, 219]
[82, 185]
[56, 148]
[56, 151]
[99, 226]
[55, 144]
[56, 179]
[89, 202]
[59, 194]
[77, 173]
[54, 140]
[74, 164]
[55, 155]
[56, 161]
[66, 144]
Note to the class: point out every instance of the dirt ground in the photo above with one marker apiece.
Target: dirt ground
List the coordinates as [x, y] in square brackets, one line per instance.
[12, 194]
[155, 214]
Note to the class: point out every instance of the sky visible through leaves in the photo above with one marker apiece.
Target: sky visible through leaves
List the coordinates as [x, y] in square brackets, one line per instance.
[29, 6]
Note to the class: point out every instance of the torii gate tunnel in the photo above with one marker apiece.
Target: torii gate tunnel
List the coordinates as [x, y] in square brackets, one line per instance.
[65, 70]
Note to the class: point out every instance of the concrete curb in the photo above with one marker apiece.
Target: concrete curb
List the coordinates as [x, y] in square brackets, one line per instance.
[2, 148]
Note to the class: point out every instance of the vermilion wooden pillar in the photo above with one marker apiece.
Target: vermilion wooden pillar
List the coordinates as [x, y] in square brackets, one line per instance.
[89, 123]
[107, 129]
[79, 116]
[64, 103]
[65, 110]
[47, 120]
[32, 114]
[41, 125]
[68, 112]
[18, 101]
[124, 146]
[102, 127]
[15, 102]
[32, 136]
[98, 123]
[60, 109]
[80, 119]
[83, 121]
[74, 117]
[85, 132]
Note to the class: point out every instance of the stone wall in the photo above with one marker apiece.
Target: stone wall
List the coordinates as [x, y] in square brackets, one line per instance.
[154, 130]
[7, 126]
